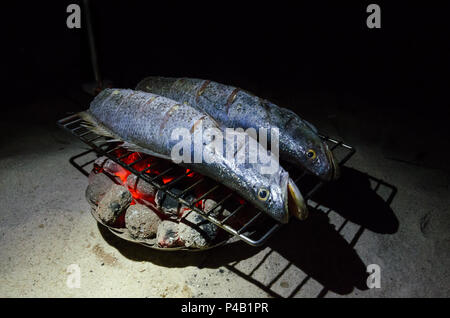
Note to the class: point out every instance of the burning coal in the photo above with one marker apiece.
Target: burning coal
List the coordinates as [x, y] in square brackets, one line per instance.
[122, 200]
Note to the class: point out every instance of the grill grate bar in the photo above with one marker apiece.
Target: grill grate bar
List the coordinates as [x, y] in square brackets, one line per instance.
[125, 156]
[162, 174]
[192, 186]
[94, 139]
[73, 124]
[220, 203]
[137, 161]
[79, 128]
[85, 133]
[233, 213]
[108, 153]
[336, 145]
[206, 194]
[300, 177]
[249, 222]
[314, 190]
[176, 180]
[152, 166]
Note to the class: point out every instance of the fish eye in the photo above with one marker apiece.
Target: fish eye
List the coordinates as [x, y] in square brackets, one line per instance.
[311, 154]
[263, 194]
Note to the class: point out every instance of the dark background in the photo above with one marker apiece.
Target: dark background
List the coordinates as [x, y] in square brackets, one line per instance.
[276, 49]
[383, 91]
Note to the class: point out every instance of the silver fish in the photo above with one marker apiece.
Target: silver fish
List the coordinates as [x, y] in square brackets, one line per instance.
[234, 107]
[145, 123]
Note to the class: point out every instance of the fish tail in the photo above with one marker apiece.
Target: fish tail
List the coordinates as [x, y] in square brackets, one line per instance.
[95, 126]
[91, 123]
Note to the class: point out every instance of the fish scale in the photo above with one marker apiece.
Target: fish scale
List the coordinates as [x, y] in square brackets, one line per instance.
[299, 142]
[145, 122]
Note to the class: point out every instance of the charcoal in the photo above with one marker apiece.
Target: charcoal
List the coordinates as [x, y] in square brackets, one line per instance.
[115, 201]
[100, 161]
[221, 213]
[167, 204]
[195, 231]
[99, 184]
[141, 186]
[208, 204]
[167, 234]
[110, 166]
[141, 221]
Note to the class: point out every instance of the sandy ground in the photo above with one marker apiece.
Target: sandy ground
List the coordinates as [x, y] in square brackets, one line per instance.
[401, 224]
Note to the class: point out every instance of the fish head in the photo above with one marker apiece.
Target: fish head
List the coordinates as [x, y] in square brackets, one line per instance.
[312, 153]
[278, 195]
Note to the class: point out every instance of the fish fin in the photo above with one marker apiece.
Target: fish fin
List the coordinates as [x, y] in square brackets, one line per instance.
[136, 148]
[96, 127]
[91, 123]
[296, 203]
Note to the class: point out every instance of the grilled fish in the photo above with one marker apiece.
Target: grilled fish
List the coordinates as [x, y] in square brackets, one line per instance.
[145, 123]
[233, 107]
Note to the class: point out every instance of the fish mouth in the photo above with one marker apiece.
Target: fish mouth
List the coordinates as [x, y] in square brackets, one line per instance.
[335, 170]
[296, 205]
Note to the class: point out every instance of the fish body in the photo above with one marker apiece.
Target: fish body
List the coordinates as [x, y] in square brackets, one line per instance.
[145, 122]
[299, 142]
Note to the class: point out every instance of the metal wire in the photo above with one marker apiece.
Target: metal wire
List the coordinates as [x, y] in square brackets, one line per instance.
[256, 237]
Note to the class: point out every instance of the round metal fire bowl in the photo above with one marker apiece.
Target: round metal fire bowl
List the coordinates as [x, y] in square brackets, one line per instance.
[152, 243]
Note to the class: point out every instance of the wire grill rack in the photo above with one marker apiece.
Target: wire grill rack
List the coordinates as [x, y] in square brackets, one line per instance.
[254, 226]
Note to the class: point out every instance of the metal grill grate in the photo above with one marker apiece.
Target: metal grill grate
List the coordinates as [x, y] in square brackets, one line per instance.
[254, 228]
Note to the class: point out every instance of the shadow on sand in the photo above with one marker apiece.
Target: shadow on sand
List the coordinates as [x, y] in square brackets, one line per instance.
[314, 246]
